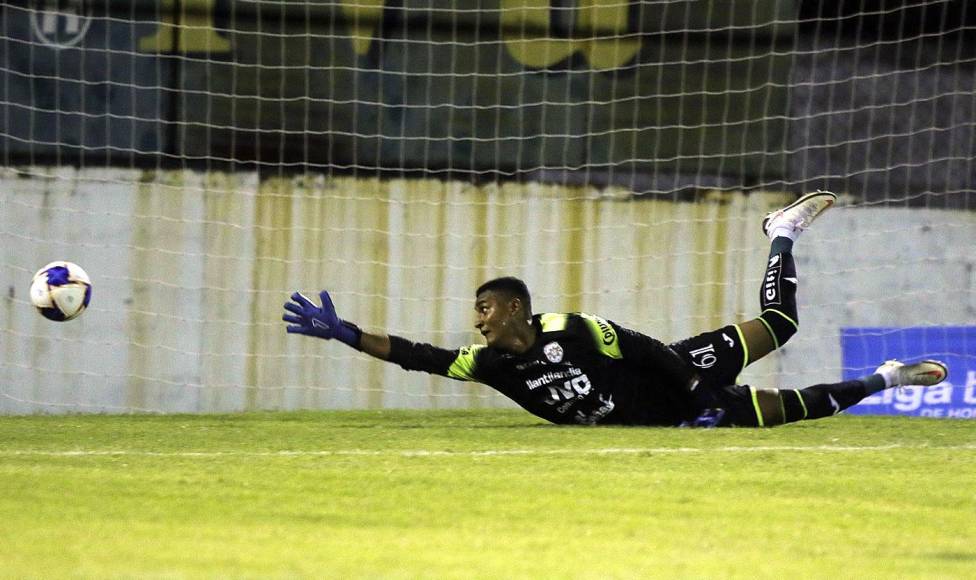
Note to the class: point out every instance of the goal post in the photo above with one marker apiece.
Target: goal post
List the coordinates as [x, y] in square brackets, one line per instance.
[203, 159]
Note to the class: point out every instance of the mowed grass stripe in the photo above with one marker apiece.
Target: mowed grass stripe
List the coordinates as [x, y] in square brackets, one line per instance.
[492, 452]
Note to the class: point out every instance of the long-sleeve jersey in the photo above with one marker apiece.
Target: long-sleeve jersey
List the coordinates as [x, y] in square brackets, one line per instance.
[580, 369]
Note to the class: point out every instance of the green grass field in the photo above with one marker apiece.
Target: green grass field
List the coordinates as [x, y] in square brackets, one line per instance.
[494, 494]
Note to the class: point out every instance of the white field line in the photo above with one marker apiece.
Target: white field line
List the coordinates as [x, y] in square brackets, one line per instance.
[487, 452]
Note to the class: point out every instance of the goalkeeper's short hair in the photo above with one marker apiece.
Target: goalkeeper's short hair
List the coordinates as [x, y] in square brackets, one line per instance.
[511, 286]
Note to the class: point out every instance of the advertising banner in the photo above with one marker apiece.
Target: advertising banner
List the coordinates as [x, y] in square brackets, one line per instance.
[865, 348]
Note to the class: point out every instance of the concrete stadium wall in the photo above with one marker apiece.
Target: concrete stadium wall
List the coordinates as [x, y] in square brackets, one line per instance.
[190, 271]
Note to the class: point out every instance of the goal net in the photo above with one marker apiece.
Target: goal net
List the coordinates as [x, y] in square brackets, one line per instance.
[203, 159]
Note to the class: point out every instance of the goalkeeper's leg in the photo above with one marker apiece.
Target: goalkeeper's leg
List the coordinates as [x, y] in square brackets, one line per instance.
[778, 320]
[779, 406]
[720, 355]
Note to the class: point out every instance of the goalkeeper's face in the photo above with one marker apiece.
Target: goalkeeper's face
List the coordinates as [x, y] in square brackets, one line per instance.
[496, 318]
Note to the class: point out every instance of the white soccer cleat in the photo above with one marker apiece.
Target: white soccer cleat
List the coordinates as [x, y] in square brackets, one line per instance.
[920, 374]
[798, 216]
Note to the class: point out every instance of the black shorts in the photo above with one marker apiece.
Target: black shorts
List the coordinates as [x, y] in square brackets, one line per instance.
[719, 357]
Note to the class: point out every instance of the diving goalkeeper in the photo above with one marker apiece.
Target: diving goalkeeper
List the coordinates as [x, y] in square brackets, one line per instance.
[581, 369]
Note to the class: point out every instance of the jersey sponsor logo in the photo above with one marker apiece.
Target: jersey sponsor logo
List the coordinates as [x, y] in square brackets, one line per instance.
[728, 339]
[704, 357]
[551, 377]
[553, 352]
[608, 334]
[569, 392]
[594, 416]
[771, 283]
[604, 335]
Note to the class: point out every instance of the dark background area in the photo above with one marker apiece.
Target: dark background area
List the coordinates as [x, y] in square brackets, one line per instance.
[868, 97]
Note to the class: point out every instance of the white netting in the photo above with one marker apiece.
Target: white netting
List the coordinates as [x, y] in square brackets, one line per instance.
[202, 159]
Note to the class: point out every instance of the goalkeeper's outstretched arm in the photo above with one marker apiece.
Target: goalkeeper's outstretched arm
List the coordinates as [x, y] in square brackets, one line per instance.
[377, 345]
[304, 317]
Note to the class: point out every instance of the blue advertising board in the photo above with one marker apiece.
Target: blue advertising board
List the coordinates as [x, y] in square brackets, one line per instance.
[865, 348]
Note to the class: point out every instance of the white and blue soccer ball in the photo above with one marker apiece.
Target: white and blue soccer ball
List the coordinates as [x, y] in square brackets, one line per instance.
[61, 291]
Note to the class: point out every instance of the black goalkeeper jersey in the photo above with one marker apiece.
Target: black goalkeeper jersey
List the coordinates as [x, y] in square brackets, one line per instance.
[581, 369]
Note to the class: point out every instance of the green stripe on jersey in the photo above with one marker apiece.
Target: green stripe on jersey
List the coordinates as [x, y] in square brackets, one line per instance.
[552, 322]
[464, 365]
[604, 335]
[755, 404]
[802, 404]
[745, 346]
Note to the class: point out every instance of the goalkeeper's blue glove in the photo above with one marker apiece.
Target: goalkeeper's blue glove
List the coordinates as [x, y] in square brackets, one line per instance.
[323, 322]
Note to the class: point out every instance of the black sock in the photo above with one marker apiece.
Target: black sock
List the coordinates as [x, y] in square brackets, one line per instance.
[780, 245]
[874, 383]
[822, 400]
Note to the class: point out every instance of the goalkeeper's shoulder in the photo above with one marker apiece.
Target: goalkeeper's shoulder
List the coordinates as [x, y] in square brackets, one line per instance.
[618, 341]
[604, 334]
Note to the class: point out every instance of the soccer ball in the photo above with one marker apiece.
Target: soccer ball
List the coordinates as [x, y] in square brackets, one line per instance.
[61, 291]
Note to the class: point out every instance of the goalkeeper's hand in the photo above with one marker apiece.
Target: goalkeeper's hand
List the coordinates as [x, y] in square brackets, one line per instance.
[304, 317]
